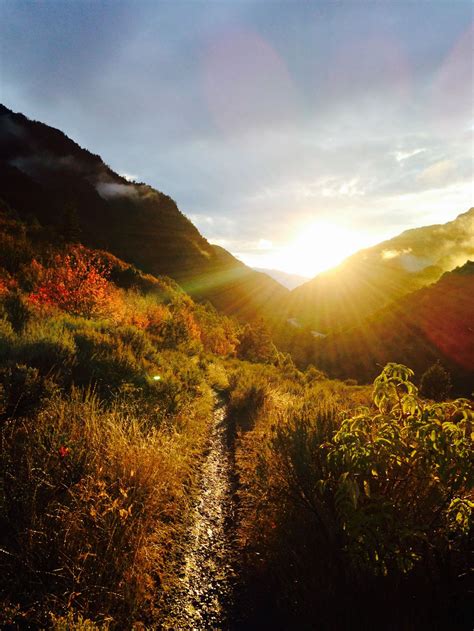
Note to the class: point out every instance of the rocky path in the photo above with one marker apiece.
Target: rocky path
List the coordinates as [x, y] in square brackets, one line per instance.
[204, 596]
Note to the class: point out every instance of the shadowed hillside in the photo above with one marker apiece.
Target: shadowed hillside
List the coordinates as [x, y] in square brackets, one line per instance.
[433, 323]
[46, 176]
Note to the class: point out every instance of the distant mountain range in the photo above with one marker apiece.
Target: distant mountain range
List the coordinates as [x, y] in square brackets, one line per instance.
[47, 177]
[290, 281]
[373, 278]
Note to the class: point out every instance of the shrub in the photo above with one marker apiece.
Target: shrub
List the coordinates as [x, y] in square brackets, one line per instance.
[76, 282]
[23, 391]
[17, 310]
[105, 361]
[47, 346]
[255, 344]
[341, 504]
[435, 383]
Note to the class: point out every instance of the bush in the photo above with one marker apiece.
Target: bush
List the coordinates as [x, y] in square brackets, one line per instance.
[436, 383]
[22, 391]
[76, 282]
[105, 361]
[17, 310]
[47, 346]
[343, 506]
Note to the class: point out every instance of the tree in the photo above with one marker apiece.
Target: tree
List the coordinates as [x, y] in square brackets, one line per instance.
[70, 227]
[255, 344]
[436, 383]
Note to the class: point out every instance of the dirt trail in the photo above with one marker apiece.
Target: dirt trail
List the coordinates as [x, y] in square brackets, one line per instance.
[204, 596]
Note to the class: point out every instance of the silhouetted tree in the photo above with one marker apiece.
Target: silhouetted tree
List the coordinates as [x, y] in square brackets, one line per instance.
[70, 228]
[436, 383]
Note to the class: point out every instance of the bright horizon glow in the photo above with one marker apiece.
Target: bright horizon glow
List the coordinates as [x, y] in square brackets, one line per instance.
[351, 117]
[319, 246]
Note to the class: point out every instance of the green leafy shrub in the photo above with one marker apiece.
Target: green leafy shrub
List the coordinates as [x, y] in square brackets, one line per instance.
[339, 504]
[17, 311]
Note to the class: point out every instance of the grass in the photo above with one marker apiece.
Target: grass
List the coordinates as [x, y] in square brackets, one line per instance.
[93, 505]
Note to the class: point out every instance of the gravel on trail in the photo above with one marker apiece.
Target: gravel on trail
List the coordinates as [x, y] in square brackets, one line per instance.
[203, 598]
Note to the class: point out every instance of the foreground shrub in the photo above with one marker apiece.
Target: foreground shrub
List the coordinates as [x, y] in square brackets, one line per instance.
[347, 507]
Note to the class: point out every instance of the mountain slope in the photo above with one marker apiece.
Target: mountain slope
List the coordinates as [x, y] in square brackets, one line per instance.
[45, 175]
[433, 323]
[365, 282]
[287, 280]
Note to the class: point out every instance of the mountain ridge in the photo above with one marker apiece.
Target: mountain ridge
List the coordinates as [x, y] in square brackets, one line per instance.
[44, 172]
[431, 324]
[376, 276]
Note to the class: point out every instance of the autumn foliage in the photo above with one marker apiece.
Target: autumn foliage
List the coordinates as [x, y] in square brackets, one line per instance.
[76, 282]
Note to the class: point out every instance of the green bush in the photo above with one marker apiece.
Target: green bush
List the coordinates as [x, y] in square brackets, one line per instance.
[339, 504]
[17, 311]
[105, 361]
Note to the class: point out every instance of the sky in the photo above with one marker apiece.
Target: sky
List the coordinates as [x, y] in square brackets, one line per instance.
[291, 133]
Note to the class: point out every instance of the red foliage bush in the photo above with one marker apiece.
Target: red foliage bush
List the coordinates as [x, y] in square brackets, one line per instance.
[76, 282]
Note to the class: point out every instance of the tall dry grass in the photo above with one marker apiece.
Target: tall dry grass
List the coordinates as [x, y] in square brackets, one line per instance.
[93, 505]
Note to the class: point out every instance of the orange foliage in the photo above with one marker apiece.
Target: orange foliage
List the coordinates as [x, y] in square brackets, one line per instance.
[76, 282]
[7, 284]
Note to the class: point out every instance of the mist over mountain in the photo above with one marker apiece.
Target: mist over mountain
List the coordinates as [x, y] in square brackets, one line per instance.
[47, 177]
[374, 277]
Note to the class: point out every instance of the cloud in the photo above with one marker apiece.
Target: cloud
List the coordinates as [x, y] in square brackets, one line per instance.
[257, 125]
[109, 190]
[438, 174]
[405, 155]
[391, 254]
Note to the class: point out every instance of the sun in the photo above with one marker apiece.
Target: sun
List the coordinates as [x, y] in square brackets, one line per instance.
[319, 246]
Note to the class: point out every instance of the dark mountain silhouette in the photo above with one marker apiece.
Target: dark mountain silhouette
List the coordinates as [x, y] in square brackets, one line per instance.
[433, 323]
[45, 176]
[372, 278]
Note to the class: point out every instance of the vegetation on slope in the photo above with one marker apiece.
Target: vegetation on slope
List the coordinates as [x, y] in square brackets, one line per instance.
[430, 325]
[105, 401]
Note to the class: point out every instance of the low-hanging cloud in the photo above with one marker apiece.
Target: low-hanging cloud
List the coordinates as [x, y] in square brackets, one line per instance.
[110, 190]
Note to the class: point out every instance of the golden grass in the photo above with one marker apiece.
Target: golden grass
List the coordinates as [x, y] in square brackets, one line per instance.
[95, 503]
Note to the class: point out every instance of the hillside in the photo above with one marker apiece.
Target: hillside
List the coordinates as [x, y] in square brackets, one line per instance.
[372, 278]
[46, 176]
[433, 323]
[287, 280]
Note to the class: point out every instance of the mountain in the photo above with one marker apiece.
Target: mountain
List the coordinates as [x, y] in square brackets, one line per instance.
[433, 323]
[47, 177]
[372, 278]
[291, 281]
